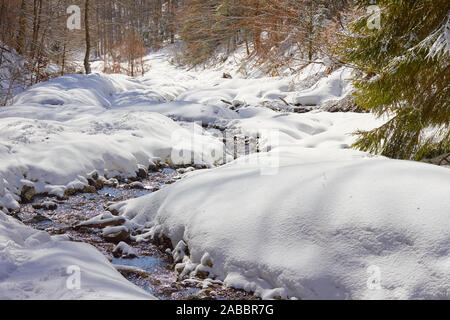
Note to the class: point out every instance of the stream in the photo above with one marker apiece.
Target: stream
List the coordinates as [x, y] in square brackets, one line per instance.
[58, 217]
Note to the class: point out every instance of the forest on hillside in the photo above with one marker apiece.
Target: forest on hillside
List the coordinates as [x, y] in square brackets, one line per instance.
[412, 43]
[123, 30]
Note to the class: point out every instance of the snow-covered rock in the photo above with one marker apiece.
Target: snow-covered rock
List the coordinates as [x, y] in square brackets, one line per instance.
[123, 250]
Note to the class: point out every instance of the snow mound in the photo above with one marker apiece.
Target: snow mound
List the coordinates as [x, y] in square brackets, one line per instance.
[302, 133]
[361, 229]
[100, 90]
[334, 87]
[35, 266]
[247, 91]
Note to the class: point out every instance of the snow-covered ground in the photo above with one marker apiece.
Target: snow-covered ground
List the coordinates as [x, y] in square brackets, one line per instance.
[34, 265]
[305, 218]
[314, 230]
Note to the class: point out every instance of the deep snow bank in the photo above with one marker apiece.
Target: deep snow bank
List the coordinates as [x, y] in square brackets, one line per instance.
[321, 230]
[312, 86]
[35, 266]
[314, 130]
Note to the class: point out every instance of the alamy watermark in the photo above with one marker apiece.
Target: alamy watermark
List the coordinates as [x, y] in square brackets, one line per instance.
[374, 278]
[374, 20]
[193, 147]
[74, 20]
[73, 281]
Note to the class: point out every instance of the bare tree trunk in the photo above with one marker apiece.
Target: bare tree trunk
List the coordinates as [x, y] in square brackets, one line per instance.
[172, 6]
[63, 64]
[87, 66]
[22, 30]
[37, 12]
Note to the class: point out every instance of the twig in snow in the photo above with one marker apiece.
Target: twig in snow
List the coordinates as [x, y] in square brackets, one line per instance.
[226, 102]
[285, 102]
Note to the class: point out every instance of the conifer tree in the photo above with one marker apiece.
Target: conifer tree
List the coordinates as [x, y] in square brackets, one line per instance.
[405, 76]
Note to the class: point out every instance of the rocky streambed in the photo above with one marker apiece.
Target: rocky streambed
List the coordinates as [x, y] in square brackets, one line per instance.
[84, 217]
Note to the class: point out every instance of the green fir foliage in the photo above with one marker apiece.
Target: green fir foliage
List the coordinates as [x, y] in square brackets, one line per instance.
[404, 76]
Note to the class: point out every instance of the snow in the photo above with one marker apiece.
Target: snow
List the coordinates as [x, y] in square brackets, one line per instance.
[12, 77]
[438, 42]
[312, 130]
[313, 230]
[34, 265]
[334, 87]
[113, 124]
[125, 251]
[92, 132]
[306, 218]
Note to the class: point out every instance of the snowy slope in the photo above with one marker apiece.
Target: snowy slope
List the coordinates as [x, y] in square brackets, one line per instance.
[314, 230]
[35, 266]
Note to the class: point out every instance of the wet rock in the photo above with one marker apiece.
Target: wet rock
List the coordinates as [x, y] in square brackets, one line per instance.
[156, 282]
[123, 250]
[27, 194]
[89, 189]
[58, 231]
[68, 193]
[204, 294]
[238, 103]
[142, 172]
[185, 170]
[116, 234]
[113, 211]
[113, 182]
[162, 242]
[93, 175]
[136, 186]
[38, 218]
[153, 166]
[180, 251]
[168, 291]
[164, 165]
[46, 205]
[96, 183]
[202, 274]
[179, 267]
[101, 224]
[127, 270]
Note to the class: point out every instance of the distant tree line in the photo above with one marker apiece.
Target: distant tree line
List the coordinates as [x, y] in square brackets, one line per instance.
[267, 28]
[401, 68]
